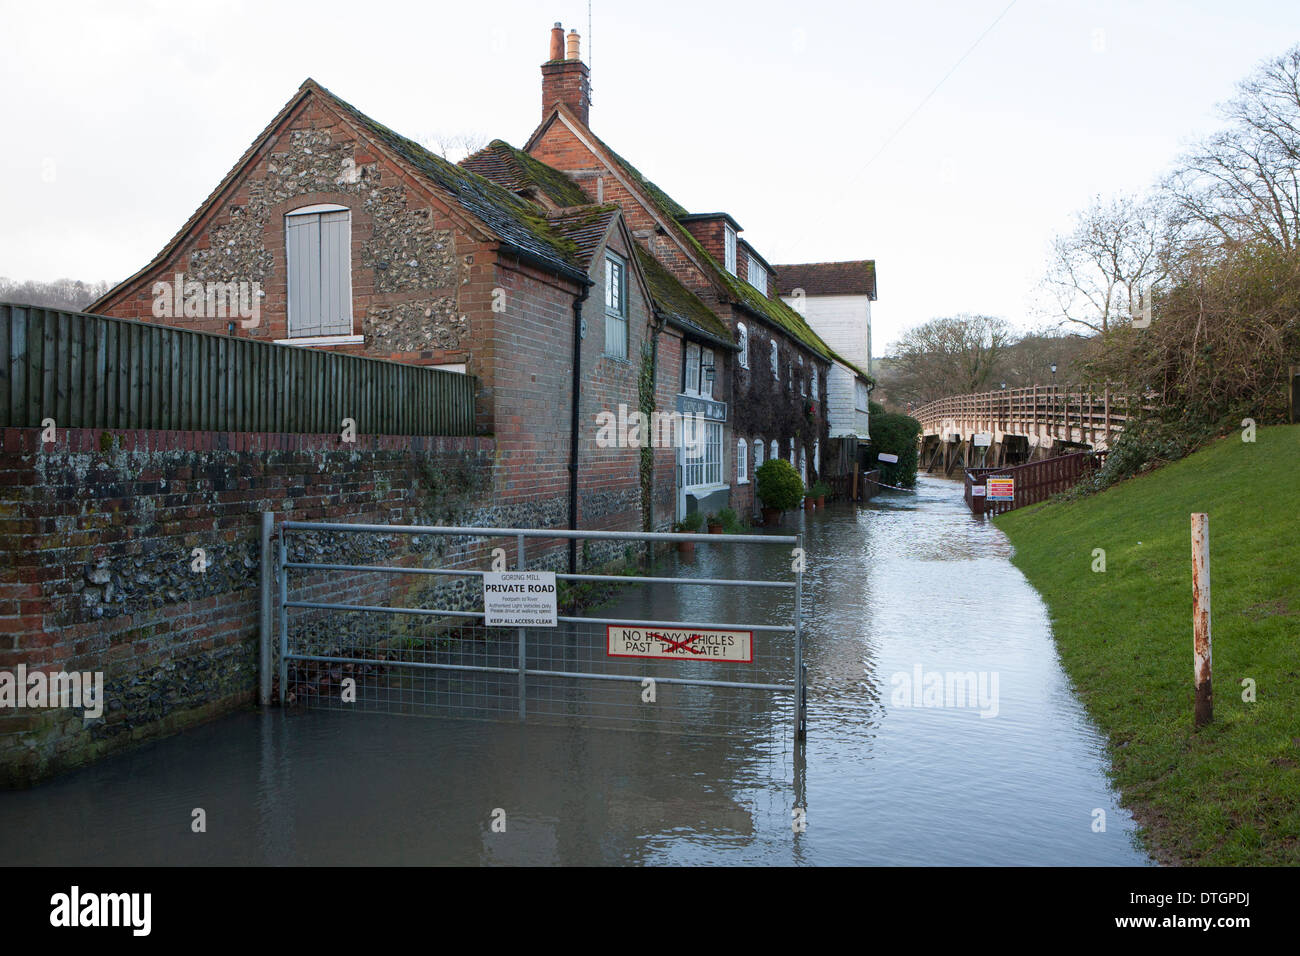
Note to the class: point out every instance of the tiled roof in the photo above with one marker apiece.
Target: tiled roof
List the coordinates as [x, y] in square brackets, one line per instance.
[517, 171]
[746, 296]
[829, 278]
[519, 223]
[585, 227]
[681, 306]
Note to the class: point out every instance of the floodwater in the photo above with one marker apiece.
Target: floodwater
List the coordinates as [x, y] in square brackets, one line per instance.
[905, 587]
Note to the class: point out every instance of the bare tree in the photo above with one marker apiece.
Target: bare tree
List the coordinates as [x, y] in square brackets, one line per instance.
[1102, 269]
[72, 294]
[1243, 183]
[454, 147]
[947, 356]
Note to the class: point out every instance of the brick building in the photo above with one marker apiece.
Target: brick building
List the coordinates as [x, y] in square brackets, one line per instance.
[767, 396]
[563, 279]
[360, 240]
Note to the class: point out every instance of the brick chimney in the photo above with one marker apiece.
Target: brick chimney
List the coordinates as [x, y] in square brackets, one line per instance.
[565, 78]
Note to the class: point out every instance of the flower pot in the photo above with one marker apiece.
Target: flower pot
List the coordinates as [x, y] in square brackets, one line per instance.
[685, 547]
[821, 501]
[809, 504]
[715, 529]
[771, 516]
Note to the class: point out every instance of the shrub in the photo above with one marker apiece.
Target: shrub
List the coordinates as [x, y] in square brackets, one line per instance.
[691, 523]
[730, 522]
[819, 490]
[779, 485]
[894, 434]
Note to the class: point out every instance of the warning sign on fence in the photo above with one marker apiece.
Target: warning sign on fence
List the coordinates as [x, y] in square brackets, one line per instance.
[678, 643]
[1001, 489]
[519, 598]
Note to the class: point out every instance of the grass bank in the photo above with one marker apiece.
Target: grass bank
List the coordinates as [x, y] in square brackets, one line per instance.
[1230, 793]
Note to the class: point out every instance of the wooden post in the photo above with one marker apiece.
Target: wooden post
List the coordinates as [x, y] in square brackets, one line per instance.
[1295, 394]
[1201, 657]
[1106, 413]
[855, 481]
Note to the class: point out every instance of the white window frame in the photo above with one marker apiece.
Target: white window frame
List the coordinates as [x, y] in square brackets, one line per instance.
[803, 380]
[759, 448]
[345, 338]
[742, 462]
[617, 315]
[776, 360]
[757, 275]
[743, 334]
[814, 383]
[729, 248]
[691, 369]
[702, 474]
[707, 360]
[775, 450]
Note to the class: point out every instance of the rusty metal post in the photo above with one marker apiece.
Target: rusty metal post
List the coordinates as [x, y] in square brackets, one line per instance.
[1204, 711]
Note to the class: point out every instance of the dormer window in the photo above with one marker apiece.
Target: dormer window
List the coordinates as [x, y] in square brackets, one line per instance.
[730, 248]
[318, 247]
[757, 275]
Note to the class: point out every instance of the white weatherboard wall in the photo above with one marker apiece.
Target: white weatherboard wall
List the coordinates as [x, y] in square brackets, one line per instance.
[844, 322]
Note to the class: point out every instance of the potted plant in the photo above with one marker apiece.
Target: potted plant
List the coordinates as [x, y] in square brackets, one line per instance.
[688, 525]
[819, 491]
[779, 488]
[730, 521]
[809, 502]
[714, 523]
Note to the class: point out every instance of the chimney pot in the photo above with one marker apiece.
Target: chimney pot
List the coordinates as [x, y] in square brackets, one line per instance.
[574, 40]
[557, 42]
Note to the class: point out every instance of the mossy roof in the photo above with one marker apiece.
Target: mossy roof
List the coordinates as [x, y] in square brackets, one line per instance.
[520, 224]
[585, 227]
[679, 304]
[517, 171]
[742, 293]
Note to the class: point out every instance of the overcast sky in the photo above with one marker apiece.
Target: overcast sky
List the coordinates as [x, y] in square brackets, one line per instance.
[818, 126]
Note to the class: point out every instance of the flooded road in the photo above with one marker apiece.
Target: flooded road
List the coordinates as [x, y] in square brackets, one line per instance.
[902, 591]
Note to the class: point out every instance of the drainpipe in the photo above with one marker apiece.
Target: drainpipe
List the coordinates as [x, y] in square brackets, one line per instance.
[573, 425]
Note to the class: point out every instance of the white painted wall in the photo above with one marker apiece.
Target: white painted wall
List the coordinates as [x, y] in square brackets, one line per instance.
[844, 322]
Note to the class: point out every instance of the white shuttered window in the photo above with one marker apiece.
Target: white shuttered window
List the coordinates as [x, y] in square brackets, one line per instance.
[319, 261]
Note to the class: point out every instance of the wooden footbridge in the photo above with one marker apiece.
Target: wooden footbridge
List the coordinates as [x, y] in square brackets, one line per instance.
[1016, 425]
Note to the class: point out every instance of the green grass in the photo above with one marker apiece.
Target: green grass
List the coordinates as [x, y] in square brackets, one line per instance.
[1228, 794]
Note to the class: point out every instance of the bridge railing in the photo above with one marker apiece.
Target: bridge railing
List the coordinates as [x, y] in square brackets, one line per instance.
[1034, 481]
[1057, 410]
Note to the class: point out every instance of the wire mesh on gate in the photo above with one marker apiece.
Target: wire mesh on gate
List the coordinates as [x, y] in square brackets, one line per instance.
[407, 636]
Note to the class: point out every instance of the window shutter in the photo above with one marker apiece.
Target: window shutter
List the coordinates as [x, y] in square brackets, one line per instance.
[335, 274]
[303, 234]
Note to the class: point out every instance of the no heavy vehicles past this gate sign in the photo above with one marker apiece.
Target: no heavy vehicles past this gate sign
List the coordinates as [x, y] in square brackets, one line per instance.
[698, 644]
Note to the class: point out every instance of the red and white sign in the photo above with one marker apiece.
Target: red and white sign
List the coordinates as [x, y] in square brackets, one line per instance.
[674, 643]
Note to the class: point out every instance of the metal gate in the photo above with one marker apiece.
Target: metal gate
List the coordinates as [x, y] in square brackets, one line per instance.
[394, 615]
